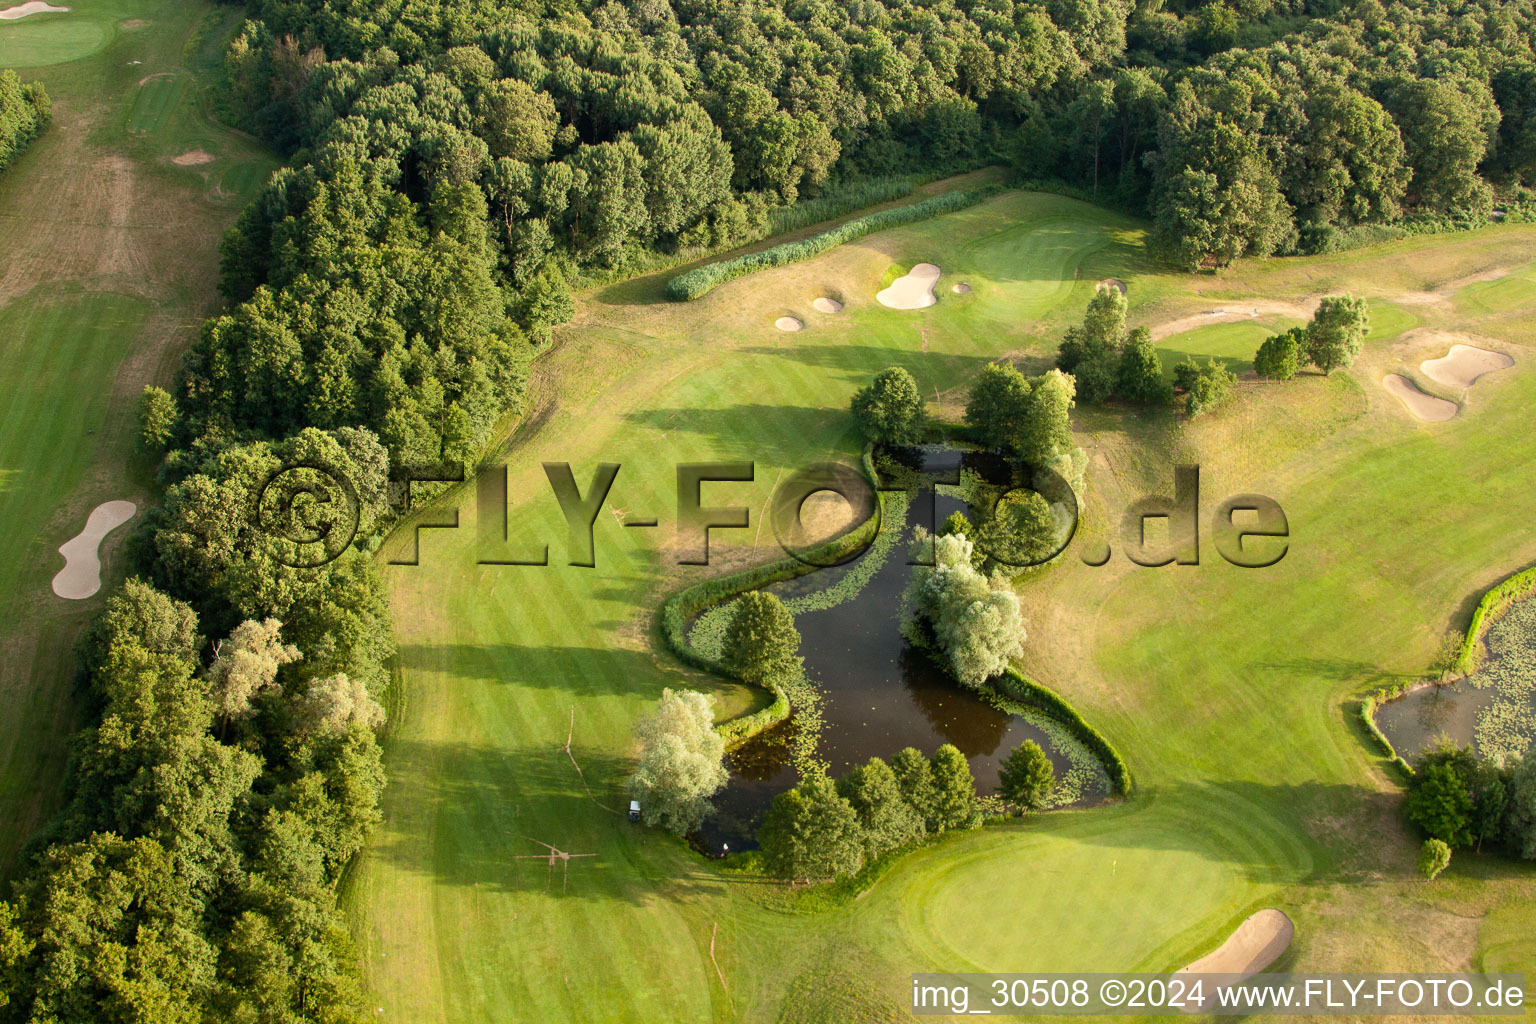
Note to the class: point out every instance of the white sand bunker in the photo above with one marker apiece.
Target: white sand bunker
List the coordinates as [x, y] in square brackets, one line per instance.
[788, 323]
[826, 305]
[912, 290]
[1257, 943]
[1422, 406]
[30, 7]
[81, 575]
[193, 158]
[961, 288]
[1463, 365]
[1113, 282]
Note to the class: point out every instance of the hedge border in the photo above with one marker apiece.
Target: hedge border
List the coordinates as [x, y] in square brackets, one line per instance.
[700, 281]
[1368, 707]
[1498, 597]
[682, 607]
[1015, 686]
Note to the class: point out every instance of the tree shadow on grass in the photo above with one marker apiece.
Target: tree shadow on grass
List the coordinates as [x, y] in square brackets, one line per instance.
[577, 671]
[475, 816]
[775, 434]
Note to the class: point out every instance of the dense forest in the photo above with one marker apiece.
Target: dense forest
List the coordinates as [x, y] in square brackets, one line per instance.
[452, 166]
[24, 113]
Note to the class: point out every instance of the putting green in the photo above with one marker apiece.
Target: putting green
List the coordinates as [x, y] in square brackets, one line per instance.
[39, 40]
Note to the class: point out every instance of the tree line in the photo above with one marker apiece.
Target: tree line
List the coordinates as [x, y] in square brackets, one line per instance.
[25, 111]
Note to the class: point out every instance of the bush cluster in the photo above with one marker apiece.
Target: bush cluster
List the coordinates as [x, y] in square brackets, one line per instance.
[824, 829]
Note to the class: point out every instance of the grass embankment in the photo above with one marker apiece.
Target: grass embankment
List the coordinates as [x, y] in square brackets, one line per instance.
[110, 261]
[1228, 690]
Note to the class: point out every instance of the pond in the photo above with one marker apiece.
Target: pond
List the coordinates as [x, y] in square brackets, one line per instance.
[1493, 709]
[879, 694]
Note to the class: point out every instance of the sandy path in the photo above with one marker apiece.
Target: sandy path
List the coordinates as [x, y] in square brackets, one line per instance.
[1418, 404]
[1228, 314]
[912, 290]
[1253, 946]
[30, 7]
[1463, 365]
[81, 575]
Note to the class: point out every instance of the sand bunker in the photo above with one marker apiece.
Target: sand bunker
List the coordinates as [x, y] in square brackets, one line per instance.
[912, 290]
[788, 323]
[193, 158]
[31, 7]
[1463, 365]
[826, 305]
[1296, 310]
[81, 575]
[1113, 282]
[961, 288]
[1422, 406]
[1257, 943]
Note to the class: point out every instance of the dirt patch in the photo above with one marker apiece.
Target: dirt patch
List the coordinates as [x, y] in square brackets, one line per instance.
[912, 290]
[1228, 314]
[131, 24]
[788, 323]
[1115, 283]
[150, 78]
[29, 8]
[81, 575]
[1419, 405]
[827, 305]
[193, 158]
[1463, 365]
[1257, 943]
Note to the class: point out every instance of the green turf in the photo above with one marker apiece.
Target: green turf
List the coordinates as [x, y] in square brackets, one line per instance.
[1234, 343]
[59, 342]
[1228, 689]
[89, 314]
[39, 40]
[155, 104]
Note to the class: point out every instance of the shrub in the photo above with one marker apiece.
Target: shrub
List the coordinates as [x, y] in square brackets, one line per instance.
[811, 832]
[1434, 857]
[1337, 332]
[1211, 386]
[1279, 356]
[1027, 776]
[680, 761]
[1439, 796]
[889, 409]
[693, 284]
[761, 640]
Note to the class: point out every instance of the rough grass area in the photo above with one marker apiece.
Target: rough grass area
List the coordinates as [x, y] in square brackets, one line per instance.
[1229, 691]
[108, 260]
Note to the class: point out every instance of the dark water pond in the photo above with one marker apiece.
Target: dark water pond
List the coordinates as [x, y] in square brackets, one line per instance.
[1494, 709]
[1419, 718]
[879, 694]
